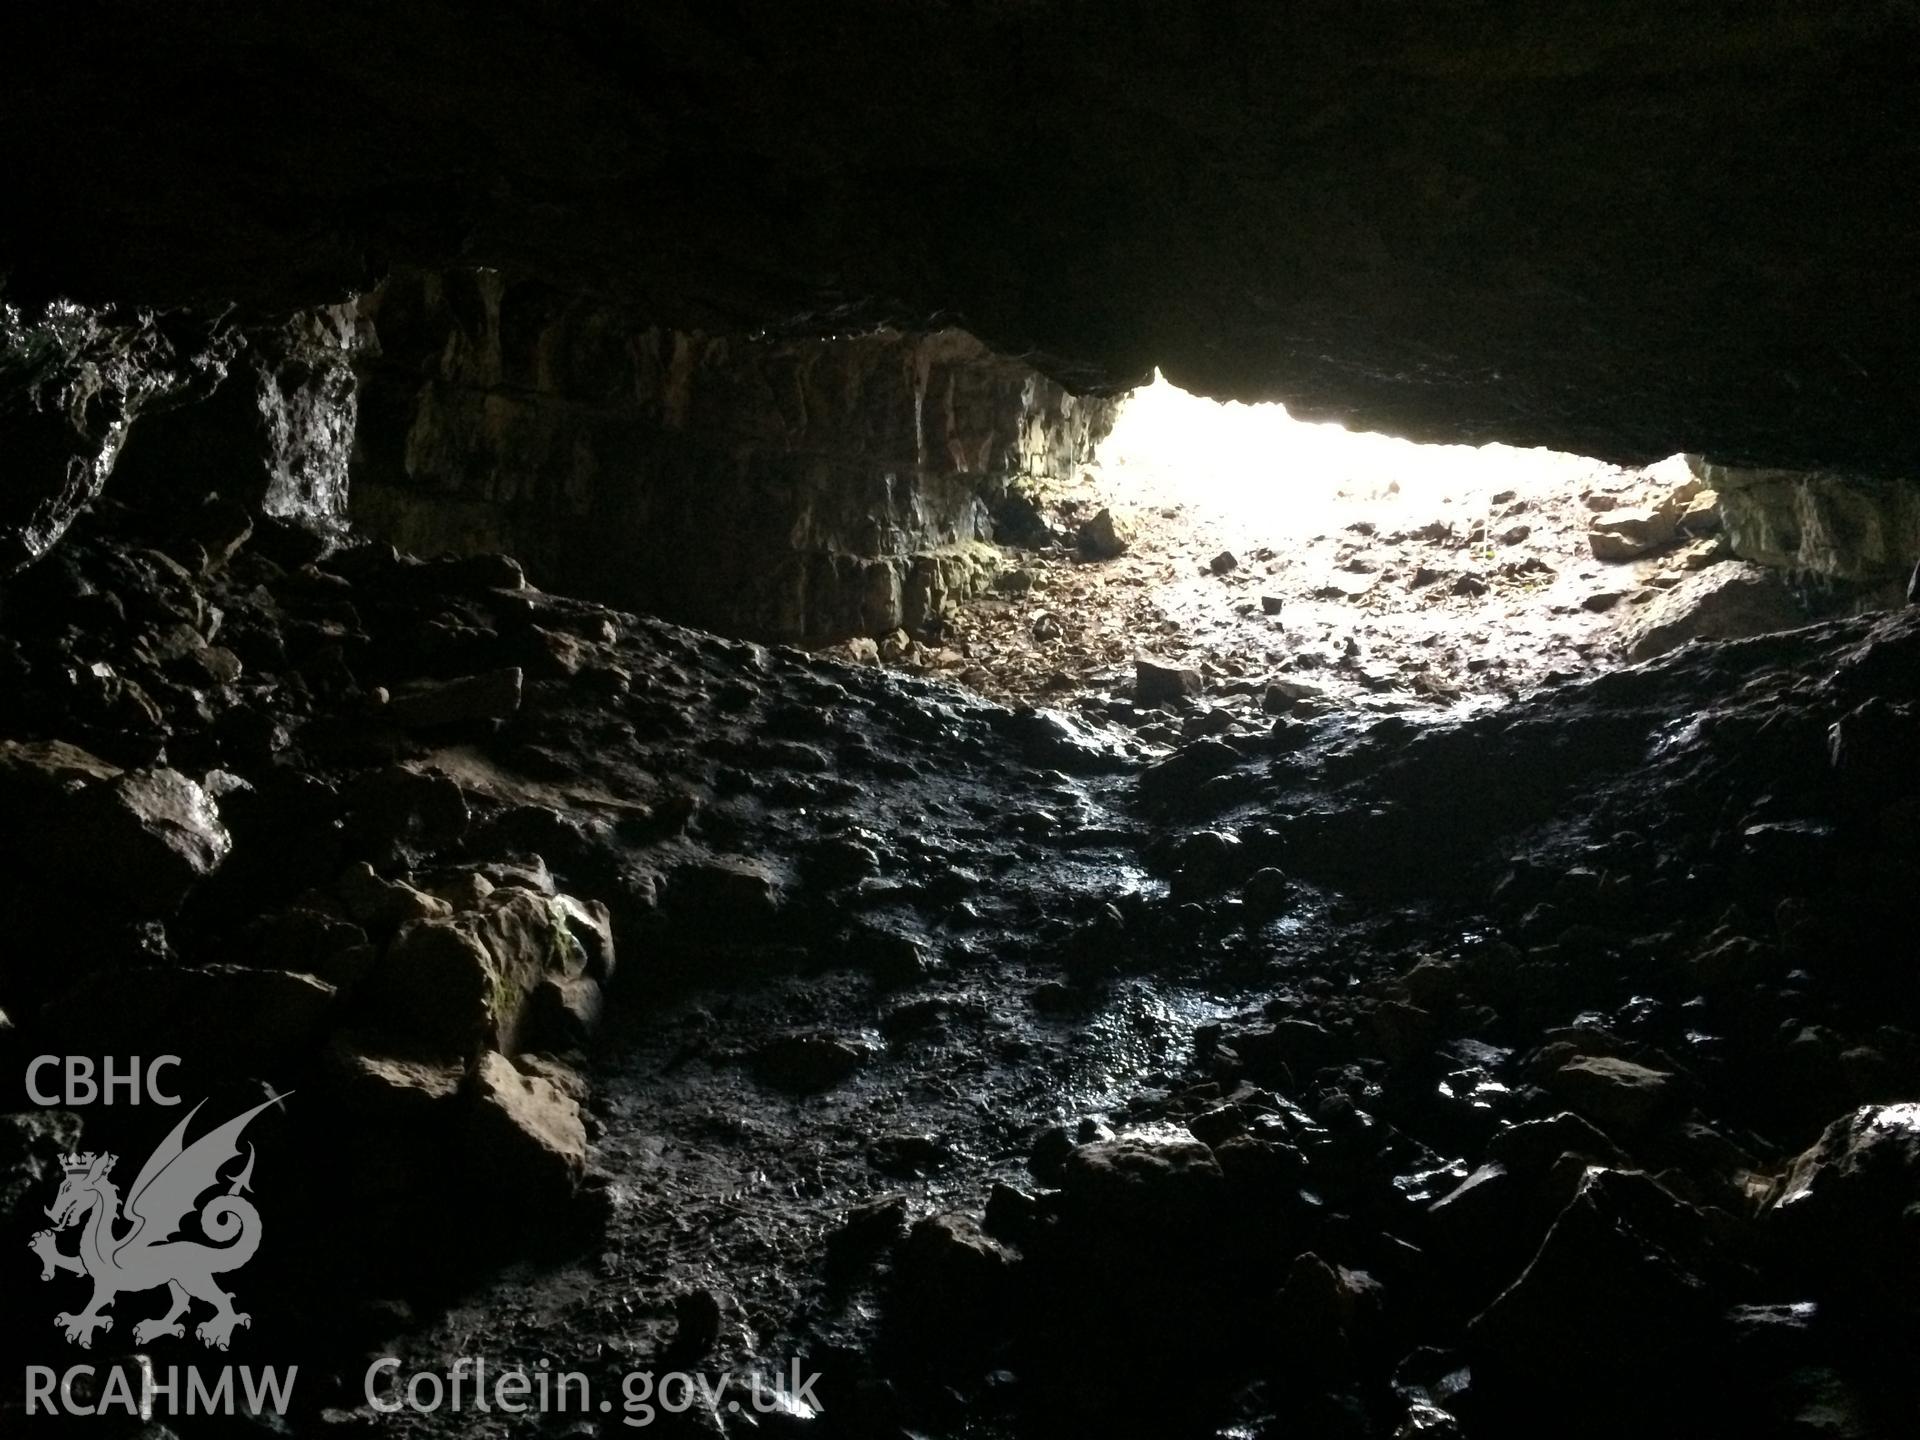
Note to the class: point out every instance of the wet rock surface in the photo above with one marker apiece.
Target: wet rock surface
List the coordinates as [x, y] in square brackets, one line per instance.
[1360, 1077]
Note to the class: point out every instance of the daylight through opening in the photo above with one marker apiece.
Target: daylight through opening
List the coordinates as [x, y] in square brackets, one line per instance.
[1227, 562]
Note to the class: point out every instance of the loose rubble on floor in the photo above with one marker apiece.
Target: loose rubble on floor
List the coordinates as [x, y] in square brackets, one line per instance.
[1532, 570]
[1333, 1067]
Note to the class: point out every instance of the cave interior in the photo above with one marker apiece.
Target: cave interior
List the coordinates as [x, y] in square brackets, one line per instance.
[993, 717]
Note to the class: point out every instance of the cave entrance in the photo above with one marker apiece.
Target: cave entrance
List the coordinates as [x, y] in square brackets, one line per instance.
[1303, 566]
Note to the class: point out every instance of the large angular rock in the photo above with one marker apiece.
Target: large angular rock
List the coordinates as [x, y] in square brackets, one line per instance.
[388, 1090]
[733, 887]
[152, 835]
[1156, 682]
[1856, 528]
[951, 1274]
[468, 700]
[1101, 538]
[453, 983]
[229, 1019]
[1143, 1182]
[73, 382]
[1851, 1201]
[1616, 1302]
[146, 837]
[524, 1135]
[1729, 601]
[1616, 1094]
[1628, 534]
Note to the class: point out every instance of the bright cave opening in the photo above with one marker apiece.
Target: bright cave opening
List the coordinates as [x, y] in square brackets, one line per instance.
[1298, 567]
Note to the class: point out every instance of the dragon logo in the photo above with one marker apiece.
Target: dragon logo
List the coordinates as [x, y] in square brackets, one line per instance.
[146, 1255]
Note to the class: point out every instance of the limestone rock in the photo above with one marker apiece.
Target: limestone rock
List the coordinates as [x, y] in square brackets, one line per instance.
[1620, 535]
[1619, 1292]
[1613, 1092]
[743, 890]
[1143, 1182]
[232, 1019]
[390, 1090]
[1156, 682]
[150, 836]
[861, 502]
[1283, 695]
[805, 1064]
[1852, 1200]
[952, 1278]
[1856, 528]
[1724, 602]
[563, 1013]
[450, 983]
[1101, 538]
[491, 696]
[524, 1135]
[312, 942]
[1176, 775]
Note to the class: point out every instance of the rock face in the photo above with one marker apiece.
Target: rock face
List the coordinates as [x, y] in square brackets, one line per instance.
[1852, 1201]
[72, 382]
[1724, 602]
[150, 834]
[526, 1136]
[1469, 224]
[779, 489]
[276, 437]
[1845, 527]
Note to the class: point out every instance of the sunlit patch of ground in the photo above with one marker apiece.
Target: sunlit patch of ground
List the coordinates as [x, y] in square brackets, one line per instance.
[1404, 575]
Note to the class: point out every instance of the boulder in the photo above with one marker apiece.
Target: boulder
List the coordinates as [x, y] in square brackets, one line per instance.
[387, 1090]
[563, 1013]
[1101, 538]
[232, 1019]
[1149, 1182]
[493, 695]
[1157, 682]
[154, 835]
[1284, 695]
[1729, 601]
[1614, 1093]
[805, 1064]
[395, 814]
[525, 1137]
[1617, 1302]
[953, 1280]
[732, 887]
[450, 983]
[385, 905]
[1182, 771]
[146, 836]
[1851, 1202]
[313, 943]
[1620, 535]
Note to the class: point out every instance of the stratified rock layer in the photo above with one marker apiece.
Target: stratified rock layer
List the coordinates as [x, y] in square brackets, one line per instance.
[783, 489]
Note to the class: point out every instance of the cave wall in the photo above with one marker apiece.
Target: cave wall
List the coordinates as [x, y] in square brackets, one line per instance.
[1860, 530]
[1622, 230]
[784, 489]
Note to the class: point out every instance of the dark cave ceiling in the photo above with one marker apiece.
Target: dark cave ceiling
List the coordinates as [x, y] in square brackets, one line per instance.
[1621, 229]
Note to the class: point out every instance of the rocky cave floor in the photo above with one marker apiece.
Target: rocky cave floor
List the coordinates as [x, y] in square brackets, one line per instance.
[1512, 571]
[1546, 1069]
